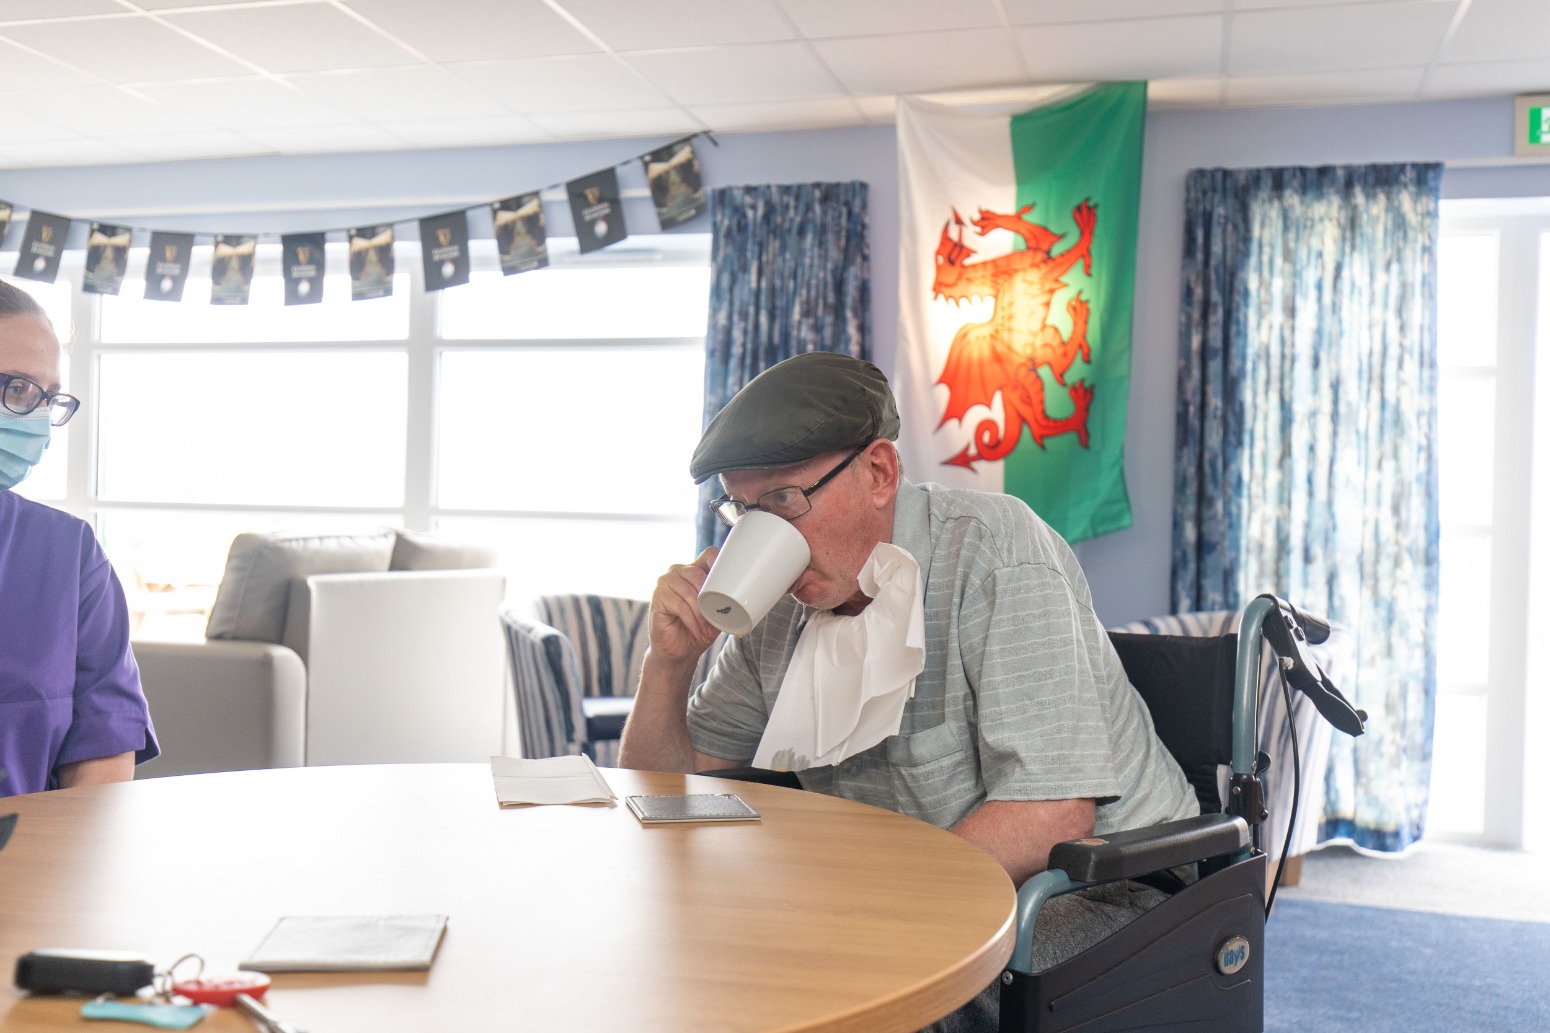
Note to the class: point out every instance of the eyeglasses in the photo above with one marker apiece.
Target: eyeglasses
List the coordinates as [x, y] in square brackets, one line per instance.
[787, 503]
[21, 396]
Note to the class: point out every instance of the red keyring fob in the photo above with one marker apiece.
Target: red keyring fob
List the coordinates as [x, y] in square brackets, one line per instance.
[222, 990]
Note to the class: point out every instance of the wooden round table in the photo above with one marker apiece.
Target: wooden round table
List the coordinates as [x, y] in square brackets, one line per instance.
[824, 915]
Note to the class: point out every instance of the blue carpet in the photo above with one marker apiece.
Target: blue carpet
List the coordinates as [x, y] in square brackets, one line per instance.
[1338, 967]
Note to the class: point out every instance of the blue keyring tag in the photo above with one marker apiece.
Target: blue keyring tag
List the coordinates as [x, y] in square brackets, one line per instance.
[162, 1016]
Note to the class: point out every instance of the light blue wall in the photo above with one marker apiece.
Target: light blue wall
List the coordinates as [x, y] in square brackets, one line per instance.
[1128, 570]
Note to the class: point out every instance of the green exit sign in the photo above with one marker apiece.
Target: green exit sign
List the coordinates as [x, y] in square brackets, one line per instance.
[1531, 124]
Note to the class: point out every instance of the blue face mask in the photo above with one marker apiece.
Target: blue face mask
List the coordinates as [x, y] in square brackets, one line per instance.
[22, 441]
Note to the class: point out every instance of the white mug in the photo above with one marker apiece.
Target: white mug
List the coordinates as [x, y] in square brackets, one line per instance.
[762, 558]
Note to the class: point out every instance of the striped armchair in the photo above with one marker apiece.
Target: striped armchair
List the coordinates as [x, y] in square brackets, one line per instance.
[575, 665]
[1313, 732]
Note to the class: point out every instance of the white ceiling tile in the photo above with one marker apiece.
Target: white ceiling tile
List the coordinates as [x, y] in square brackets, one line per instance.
[70, 152]
[163, 5]
[1494, 78]
[415, 92]
[20, 10]
[823, 18]
[1501, 30]
[1336, 38]
[1389, 84]
[124, 50]
[660, 24]
[17, 125]
[21, 70]
[531, 70]
[1179, 94]
[923, 61]
[97, 110]
[737, 75]
[806, 114]
[1149, 48]
[480, 30]
[296, 38]
[328, 139]
[468, 132]
[246, 103]
[601, 124]
[585, 82]
[1054, 12]
[185, 146]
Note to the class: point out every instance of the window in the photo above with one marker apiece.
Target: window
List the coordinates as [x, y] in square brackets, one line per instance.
[549, 414]
[561, 439]
[1494, 488]
[1466, 342]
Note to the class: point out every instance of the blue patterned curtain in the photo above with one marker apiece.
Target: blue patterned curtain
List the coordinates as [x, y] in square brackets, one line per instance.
[1306, 457]
[790, 273]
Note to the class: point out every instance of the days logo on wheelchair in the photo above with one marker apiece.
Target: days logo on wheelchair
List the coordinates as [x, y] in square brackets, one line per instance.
[1232, 955]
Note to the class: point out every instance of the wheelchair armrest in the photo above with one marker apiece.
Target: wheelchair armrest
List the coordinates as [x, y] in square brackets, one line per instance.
[1136, 852]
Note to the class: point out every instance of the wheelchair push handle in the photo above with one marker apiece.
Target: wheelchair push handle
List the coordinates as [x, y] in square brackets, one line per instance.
[1289, 631]
[1314, 627]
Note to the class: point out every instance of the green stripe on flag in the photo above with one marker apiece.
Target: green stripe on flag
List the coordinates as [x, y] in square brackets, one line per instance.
[1087, 149]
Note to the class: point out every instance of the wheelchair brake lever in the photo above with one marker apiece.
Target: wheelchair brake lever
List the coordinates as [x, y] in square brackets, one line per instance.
[1285, 634]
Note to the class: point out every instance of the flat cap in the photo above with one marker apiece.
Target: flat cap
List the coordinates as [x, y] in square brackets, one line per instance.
[813, 403]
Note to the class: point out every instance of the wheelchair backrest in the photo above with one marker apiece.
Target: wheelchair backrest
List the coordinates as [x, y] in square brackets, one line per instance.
[1187, 683]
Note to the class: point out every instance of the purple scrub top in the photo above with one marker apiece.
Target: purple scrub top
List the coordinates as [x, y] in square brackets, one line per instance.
[69, 687]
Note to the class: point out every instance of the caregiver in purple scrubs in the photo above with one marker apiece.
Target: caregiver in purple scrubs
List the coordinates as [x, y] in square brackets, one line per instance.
[71, 709]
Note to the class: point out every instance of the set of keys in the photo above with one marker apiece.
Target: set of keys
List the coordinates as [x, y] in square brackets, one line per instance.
[166, 1000]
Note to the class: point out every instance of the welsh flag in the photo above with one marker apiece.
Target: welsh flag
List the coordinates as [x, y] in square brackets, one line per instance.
[1016, 285]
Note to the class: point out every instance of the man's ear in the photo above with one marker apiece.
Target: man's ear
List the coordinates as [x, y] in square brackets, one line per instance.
[882, 466]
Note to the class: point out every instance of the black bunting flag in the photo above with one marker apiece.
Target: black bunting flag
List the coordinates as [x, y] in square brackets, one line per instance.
[107, 259]
[594, 205]
[521, 239]
[673, 173]
[231, 269]
[371, 262]
[444, 249]
[42, 246]
[302, 260]
[166, 270]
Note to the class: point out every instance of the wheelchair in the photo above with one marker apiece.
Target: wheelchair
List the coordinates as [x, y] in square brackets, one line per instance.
[1195, 962]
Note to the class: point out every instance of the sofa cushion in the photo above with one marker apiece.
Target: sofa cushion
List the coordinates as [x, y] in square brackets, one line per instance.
[420, 550]
[251, 601]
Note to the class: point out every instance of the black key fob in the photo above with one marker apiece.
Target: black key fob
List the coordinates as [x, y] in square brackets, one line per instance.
[83, 972]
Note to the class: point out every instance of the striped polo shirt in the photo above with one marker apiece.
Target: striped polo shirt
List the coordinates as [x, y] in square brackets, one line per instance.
[1022, 696]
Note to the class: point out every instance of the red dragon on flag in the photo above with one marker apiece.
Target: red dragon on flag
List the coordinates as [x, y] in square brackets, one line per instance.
[1003, 354]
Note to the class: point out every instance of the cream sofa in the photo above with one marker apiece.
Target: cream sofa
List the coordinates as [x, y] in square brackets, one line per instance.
[335, 649]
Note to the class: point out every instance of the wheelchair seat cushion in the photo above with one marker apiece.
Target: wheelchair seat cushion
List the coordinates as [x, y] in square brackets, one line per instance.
[1187, 683]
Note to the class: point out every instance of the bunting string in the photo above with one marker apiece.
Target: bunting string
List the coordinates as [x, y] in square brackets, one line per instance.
[521, 238]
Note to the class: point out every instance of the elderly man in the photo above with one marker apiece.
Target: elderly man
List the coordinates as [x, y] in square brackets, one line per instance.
[1019, 729]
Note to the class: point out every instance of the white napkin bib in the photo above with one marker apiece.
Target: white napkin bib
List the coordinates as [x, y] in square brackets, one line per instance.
[850, 677]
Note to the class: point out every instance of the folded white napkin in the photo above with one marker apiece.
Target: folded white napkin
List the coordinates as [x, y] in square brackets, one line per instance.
[851, 676]
[548, 780]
